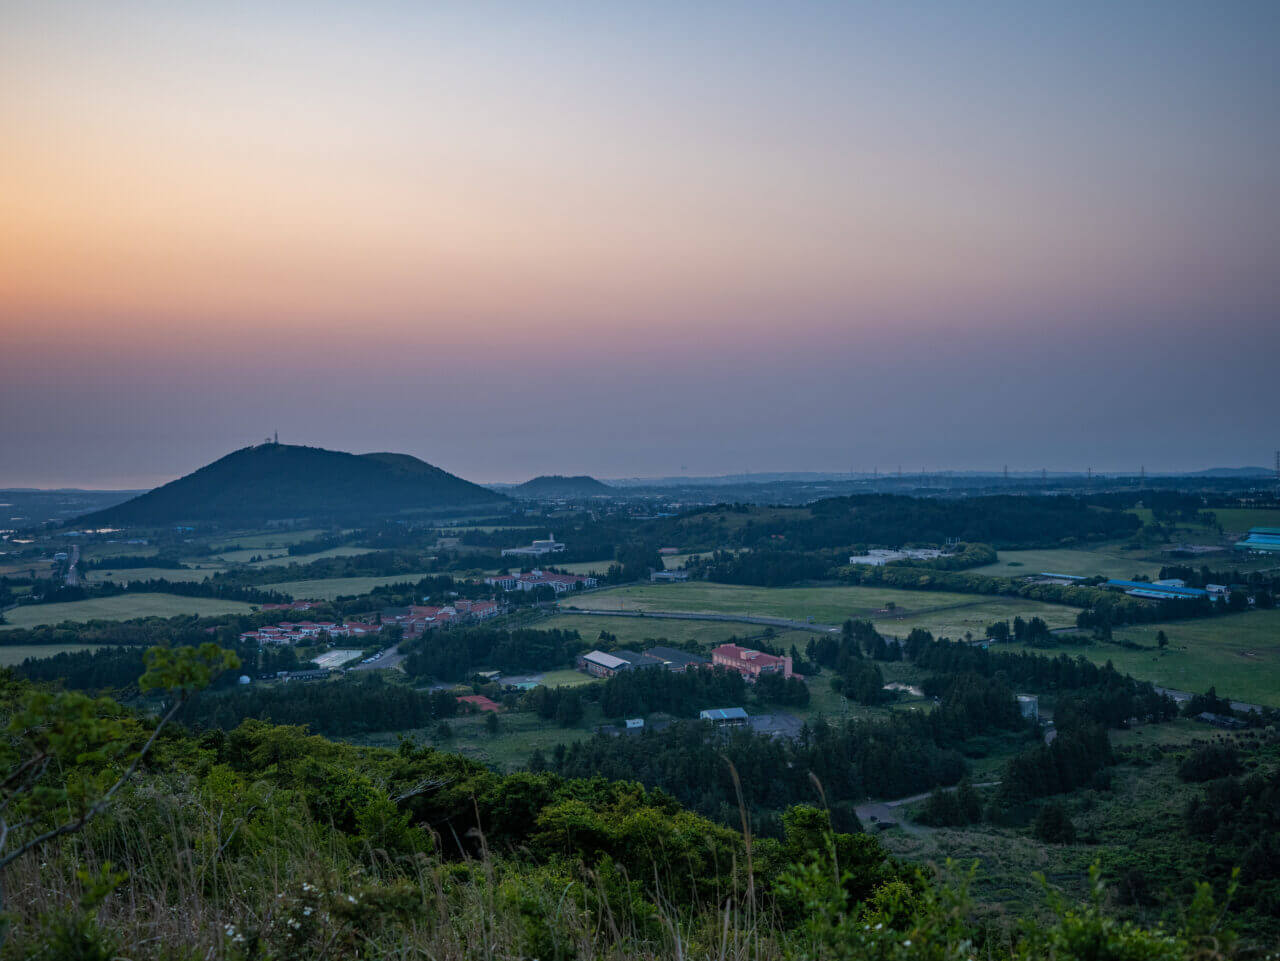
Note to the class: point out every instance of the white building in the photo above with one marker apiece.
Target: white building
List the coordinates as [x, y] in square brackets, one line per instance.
[536, 549]
[879, 557]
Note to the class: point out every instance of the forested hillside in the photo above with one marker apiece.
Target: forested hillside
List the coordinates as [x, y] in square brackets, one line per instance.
[280, 481]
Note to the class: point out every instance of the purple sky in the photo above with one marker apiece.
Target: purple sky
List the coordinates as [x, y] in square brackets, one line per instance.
[592, 239]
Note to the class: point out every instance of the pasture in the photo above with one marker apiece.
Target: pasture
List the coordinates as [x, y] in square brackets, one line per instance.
[121, 607]
[283, 560]
[125, 574]
[1109, 560]
[958, 620]
[1239, 654]
[637, 630]
[598, 568]
[327, 588]
[938, 611]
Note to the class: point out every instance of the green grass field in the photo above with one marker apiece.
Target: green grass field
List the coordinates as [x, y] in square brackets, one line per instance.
[126, 574]
[1239, 654]
[567, 677]
[1105, 561]
[264, 540]
[14, 654]
[520, 734]
[329, 588]
[122, 607]
[284, 560]
[583, 567]
[674, 562]
[938, 611]
[1238, 520]
[637, 630]
[973, 618]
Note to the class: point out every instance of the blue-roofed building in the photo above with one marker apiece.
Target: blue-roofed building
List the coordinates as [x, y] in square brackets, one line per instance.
[1158, 592]
[724, 715]
[1261, 540]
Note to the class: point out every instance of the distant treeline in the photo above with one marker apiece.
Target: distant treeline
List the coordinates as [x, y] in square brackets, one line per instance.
[455, 655]
[126, 562]
[335, 708]
[62, 593]
[891, 520]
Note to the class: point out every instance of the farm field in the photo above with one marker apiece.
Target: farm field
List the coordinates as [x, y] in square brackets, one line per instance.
[14, 654]
[327, 589]
[938, 611]
[261, 541]
[1237, 520]
[283, 560]
[122, 607]
[828, 605]
[673, 562]
[520, 734]
[1239, 654]
[582, 567]
[974, 617]
[1107, 561]
[126, 574]
[636, 630]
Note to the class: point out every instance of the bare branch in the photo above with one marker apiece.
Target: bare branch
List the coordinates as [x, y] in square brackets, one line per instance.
[97, 808]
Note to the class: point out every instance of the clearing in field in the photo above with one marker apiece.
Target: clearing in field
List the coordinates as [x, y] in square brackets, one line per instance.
[1239, 654]
[122, 607]
[14, 654]
[329, 588]
[938, 611]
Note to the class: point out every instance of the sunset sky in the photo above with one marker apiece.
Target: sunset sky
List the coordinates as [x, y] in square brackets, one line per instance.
[622, 239]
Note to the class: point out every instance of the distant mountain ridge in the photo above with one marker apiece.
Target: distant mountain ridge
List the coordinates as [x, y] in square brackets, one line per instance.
[283, 481]
[557, 485]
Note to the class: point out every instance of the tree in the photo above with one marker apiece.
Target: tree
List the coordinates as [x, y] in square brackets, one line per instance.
[65, 750]
[1053, 825]
[1162, 640]
[491, 724]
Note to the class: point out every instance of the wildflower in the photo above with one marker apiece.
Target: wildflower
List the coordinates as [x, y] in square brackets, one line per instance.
[351, 899]
[879, 926]
[906, 943]
[307, 911]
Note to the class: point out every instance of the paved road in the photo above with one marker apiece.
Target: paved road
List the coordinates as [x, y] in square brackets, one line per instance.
[1182, 696]
[887, 810]
[73, 567]
[390, 658]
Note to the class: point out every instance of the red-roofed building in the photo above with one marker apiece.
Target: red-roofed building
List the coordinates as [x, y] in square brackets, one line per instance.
[480, 702]
[750, 664]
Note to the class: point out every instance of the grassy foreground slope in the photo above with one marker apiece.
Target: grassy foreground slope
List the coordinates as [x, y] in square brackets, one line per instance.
[266, 843]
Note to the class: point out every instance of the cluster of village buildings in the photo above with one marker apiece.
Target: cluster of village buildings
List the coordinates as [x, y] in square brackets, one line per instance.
[560, 583]
[750, 664]
[414, 621]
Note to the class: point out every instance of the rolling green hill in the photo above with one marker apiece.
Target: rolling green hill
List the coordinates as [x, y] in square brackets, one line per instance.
[282, 481]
